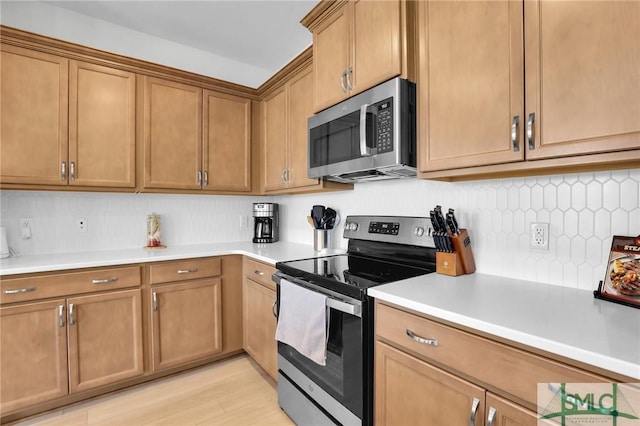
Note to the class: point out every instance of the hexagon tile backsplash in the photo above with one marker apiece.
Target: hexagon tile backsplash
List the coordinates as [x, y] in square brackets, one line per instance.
[583, 210]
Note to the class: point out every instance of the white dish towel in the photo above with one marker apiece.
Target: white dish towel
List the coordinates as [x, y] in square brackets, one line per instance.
[302, 322]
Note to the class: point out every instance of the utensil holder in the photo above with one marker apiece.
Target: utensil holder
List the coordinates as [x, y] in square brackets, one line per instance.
[321, 239]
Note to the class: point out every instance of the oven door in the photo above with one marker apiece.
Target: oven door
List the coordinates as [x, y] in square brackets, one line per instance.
[339, 387]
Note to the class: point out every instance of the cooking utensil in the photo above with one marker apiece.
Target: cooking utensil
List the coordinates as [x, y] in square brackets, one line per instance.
[454, 222]
[317, 213]
[329, 218]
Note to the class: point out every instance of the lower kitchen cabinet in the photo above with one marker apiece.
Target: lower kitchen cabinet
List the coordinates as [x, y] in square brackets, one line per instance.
[259, 322]
[187, 322]
[428, 372]
[412, 392]
[54, 348]
[105, 339]
[33, 354]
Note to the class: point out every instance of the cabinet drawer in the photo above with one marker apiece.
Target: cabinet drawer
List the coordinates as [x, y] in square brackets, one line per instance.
[56, 285]
[259, 272]
[183, 270]
[495, 365]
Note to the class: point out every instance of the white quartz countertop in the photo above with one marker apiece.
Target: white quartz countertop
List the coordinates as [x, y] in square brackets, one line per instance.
[564, 321]
[269, 253]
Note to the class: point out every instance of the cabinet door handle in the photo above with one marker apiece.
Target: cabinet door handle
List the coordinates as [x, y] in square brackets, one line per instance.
[257, 272]
[72, 319]
[273, 309]
[491, 417]
[19, 290]
[474, 411]
[63, 171]
[286, 176]
[72, 170]
[105, 281]
[199, 177]
[348, 73]
[155, 301]
[60, 316]
[531, 131]
[432, 342]
[206, 178]
[342, 79]
[282, 178]
[514, 133]
[187, 271]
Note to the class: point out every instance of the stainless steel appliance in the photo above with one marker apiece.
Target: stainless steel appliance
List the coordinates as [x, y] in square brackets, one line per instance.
[370, 136]
[381, 249]
[265, 222]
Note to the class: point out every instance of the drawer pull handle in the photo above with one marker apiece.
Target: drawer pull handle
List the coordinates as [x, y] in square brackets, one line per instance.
[105, 281]
[72, 319]
[60, 316]
[19, 290]
[155, 301]
[260, 273]
[432, 342]
[187, 271]
[474, 411]
[491, 417]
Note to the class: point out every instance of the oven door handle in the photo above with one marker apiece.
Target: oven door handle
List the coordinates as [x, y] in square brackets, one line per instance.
[345, 307]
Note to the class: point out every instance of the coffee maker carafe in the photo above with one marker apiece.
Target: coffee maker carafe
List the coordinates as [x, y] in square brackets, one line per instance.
[265, 222]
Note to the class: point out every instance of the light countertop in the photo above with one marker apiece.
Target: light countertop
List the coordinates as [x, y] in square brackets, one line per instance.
[564, 321]
[268, 253]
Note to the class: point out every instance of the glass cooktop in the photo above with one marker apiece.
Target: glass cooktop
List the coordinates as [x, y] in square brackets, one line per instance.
[348, 273]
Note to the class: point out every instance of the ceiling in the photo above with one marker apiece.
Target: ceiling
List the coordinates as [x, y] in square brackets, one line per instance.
[265, 34]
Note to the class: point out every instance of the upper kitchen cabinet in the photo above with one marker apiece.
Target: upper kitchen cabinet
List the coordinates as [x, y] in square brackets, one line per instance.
[286, 107]
[226, 142]
[172, 135]
[34, 120]
[583, 84]
[575, 64]
[358, 44]
[102, 126]
[66, 122]
[470, 83]
[181, 153]
[285, 122]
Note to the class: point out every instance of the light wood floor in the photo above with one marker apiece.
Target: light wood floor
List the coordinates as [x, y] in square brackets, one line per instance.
[230, 392]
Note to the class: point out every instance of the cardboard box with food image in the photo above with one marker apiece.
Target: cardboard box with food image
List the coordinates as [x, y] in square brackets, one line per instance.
[621, 283]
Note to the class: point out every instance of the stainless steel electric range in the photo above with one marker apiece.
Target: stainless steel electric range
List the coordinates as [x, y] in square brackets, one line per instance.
[381, 249]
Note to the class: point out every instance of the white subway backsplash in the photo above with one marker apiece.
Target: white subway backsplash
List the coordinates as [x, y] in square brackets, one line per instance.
[583, 212]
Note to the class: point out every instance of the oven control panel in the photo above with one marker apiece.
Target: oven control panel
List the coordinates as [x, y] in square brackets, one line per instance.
[394, 229]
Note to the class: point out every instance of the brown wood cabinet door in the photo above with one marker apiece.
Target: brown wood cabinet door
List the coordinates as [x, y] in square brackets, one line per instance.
[102, 126]
[34, 121]
[33, 354]
[105, 339]
[470, 83]
[275, 140]
[260, 326]
[376, 44]
[300, 109]
[172, 135]
[331, 58]
[227, 142]
[582, 76]
[508, 413]
[409, 391]
[186, 322]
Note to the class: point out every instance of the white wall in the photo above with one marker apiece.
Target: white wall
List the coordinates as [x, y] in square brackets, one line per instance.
[63, 24]
[583, 210]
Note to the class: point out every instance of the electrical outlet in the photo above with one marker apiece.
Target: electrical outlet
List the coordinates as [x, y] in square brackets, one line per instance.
[82, 225]
[25, 228]
[539, 236]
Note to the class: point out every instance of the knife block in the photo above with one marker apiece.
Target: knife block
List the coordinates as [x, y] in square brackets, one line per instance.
[448, 264]
[462, 247]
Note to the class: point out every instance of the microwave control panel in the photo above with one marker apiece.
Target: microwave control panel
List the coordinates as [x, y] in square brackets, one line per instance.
[384, 126]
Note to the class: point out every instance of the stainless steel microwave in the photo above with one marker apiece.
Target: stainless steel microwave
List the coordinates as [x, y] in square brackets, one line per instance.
[371, 136]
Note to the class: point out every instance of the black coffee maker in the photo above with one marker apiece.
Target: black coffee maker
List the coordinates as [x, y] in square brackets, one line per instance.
[265, 222]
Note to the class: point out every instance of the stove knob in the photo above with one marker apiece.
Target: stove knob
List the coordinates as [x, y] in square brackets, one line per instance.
[419, 231]
[353, 226]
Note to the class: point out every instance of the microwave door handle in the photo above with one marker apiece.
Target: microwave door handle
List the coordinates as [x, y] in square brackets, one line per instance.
[365, 151]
